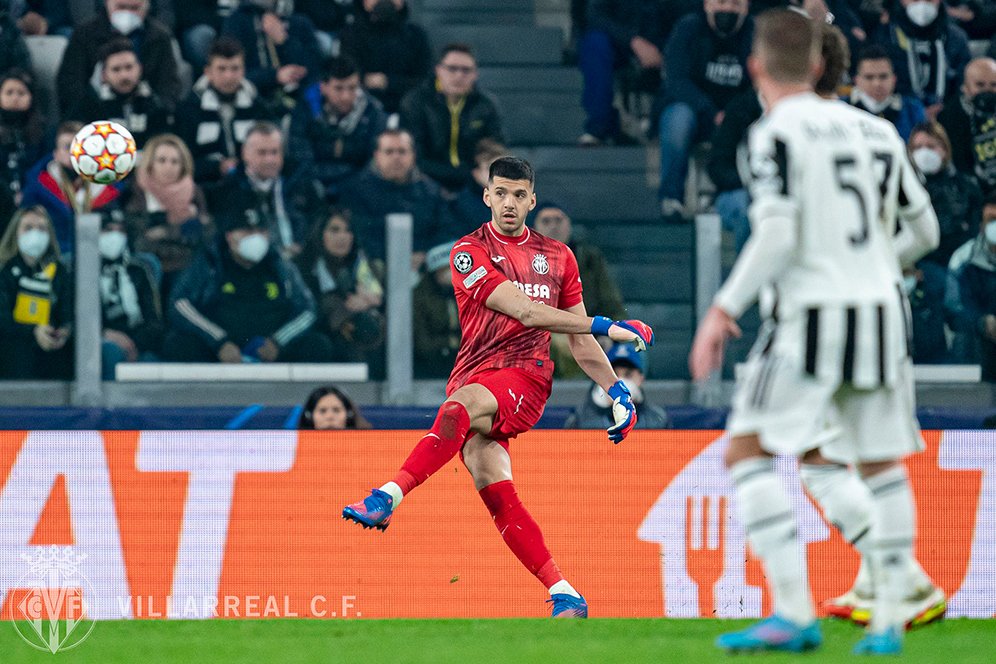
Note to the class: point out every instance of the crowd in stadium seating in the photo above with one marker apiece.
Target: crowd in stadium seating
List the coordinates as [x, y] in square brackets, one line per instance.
[277, 136]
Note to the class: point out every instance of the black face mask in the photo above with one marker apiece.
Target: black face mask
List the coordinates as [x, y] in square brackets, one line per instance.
[385, 12]
[13, 118]
[726, 23]
[984, 103]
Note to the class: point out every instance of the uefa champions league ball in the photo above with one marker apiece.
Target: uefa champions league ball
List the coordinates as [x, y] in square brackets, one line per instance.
[103, 152]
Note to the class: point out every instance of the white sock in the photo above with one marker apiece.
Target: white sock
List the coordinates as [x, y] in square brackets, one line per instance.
[395, 491]
[765, 511]
[563, 588]
[893, 528]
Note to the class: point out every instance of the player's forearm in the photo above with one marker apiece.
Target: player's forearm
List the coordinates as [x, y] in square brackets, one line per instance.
[918, 235]
[545, 317]
[765, 255]
[591, 358]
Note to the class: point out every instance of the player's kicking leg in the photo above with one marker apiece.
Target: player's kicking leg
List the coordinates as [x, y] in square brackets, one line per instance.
[491, 467]
[766, 514]
[472, 407]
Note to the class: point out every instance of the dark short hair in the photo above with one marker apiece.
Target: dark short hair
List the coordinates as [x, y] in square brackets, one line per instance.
[68, 127]
[338, 68]
[225, 47]
[394, 132]
[511, 168]
[873, 52]
[836, 59]
[264, 127]
[115, 46]
[457, 47]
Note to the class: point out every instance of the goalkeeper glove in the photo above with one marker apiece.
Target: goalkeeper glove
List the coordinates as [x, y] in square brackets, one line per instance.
[623, 412]
[644, 333]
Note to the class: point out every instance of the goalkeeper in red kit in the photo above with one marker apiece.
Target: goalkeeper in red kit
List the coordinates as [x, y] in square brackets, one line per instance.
[513, 288]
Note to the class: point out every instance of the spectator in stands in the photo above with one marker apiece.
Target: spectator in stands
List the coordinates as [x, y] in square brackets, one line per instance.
[596, 411]
[394, 184]
[976, 17]
[929, 51]
[926, 296]
[620, 34]
[875, 91]
[977, 292]
[971, 123]
[329, 18]
[46, 17]
[435, 323]
[13, 49]
[127, 18]
[328, 408]
[468, 210]
[601, 293]
[285, 201]
[166, 210]
[392, 51]
[448, 117]
[705, 67]
[22, 134]
[215, 116]
[53, 184]
[123, 96]
[198, 25]
[728, 152]
[240, 301]
[280, 48]
[350, 296]
[964, 345]
[36, 301]
[334, 131]
[131, 314]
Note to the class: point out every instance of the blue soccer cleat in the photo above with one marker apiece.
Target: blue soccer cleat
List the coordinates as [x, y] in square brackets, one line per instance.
[374, 511]
[889, 642]
[568, 606]
[774, 633]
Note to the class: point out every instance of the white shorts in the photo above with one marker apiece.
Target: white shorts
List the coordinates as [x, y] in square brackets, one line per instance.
[792, 413]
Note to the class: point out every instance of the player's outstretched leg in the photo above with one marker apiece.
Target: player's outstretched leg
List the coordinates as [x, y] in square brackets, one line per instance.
[766, 514]
[436, 448]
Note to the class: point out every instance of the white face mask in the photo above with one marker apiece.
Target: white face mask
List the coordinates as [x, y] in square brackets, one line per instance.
[991, 232]
[909, 284]
[125, 22]
[927, 160]
[33, 243]
[870, 103]
[112, 244]
[921, 13]
[253, 247]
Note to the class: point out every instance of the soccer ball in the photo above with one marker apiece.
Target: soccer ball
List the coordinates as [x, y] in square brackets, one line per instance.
[103, 152]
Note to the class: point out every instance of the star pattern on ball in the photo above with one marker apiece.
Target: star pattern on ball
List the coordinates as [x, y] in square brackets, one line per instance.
[106, 160]
[131, 146]
[77, 150]
[103, 128]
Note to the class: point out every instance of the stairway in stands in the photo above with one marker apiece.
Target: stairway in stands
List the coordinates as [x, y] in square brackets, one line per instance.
[605, 190]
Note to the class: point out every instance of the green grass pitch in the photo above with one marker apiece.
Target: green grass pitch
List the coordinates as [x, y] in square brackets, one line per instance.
[465, 641]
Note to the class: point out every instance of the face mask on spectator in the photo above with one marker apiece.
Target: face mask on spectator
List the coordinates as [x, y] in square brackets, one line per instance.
[927, 160]
[112, 244]
[871, 104]
[33, 243]
[253, 247]
[126, 22]
[726, 23]
[984, 103]
[990, 232]
[921, 13]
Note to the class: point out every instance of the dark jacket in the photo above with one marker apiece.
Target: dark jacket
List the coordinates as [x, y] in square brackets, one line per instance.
[730, 139]
[196, 297]
[977, 286]
[425, 114]
[142, 112]
[152, 43]
[326, 15]
[335, 147]
[13, 49]
[200, 12]
[400, 50]
[957, 200]
[942, 37]
[211, 141]
[301, 204]
[601, 293]
[148, 332]
[704, 70]
[435, 328]
[22, 145]
[56, 12]
[16, 278]
[973, 141]
[467, 213]
[370, 198]
[624, 19]
[301, 47]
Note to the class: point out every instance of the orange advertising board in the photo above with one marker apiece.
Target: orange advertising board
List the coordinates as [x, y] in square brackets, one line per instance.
[160, 524]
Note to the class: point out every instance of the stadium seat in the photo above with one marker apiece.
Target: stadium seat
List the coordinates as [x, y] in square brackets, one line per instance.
[483, 12]
[504, 44]
[46, 56]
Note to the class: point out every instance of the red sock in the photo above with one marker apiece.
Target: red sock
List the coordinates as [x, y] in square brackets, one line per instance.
[520, 531]
[436, 448]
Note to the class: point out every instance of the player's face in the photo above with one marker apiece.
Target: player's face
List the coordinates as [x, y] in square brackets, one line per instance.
[167, 165]
[122, 72]
[876, 79]
[337, 238]
[510, 201]
[225, 74]
[394, 157]
[61, 153]
[554, 224]
[457, 73]
[341, 93]
[263, 155]
[329, 413]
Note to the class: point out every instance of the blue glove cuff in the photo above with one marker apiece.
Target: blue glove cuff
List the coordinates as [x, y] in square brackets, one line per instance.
[600, 325]
[618, 390]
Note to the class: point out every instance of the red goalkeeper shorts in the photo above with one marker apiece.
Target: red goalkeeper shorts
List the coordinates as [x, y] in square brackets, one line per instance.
[521, 398]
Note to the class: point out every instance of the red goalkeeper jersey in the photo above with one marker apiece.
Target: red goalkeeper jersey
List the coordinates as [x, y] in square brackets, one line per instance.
[543, 269]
